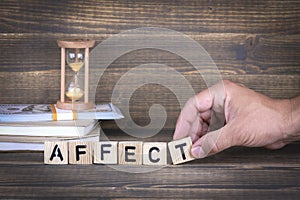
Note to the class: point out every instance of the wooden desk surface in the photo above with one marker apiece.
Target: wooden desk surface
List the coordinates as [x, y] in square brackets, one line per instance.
[255, 43]
[251, 173]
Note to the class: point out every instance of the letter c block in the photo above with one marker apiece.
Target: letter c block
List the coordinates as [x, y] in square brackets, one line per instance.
[155, 153]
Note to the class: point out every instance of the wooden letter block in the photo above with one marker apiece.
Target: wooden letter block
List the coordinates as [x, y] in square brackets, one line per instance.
[80, 152]
[155, 153]
[106, 152]
[180, 150]
[130, 153]
[55, 152]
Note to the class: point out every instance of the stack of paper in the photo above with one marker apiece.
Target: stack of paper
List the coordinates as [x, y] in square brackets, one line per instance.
[26, 127]
[46, 112]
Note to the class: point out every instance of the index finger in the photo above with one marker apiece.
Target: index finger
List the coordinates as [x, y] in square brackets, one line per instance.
[190, 113]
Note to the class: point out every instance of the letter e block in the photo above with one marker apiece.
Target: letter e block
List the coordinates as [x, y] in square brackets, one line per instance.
[155, 153]
[106, 152]
[130, 153]
[80, 152]
[180, 150]
[55, 152]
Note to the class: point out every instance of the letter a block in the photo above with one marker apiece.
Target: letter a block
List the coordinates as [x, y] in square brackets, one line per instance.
[155, 153]
[80, 152]
[106, 152]
[55, 152]
[180, 150]
[130, 153]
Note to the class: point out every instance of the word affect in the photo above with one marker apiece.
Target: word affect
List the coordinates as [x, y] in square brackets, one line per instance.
[113, 152]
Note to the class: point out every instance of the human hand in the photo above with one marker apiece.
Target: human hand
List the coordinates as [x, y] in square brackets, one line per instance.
[251, 119]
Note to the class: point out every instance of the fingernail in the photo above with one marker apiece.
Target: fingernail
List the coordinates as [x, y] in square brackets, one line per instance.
[198, 152]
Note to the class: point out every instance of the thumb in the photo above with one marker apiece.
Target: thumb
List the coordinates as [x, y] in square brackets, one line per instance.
[212, 143]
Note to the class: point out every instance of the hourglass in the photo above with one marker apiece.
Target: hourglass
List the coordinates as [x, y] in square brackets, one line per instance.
[76, 54]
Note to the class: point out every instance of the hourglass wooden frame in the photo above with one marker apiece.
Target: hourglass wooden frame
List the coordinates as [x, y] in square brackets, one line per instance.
[63, 103]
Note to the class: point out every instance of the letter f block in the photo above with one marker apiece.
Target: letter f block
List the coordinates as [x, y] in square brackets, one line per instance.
[106, 152]
[80, 152]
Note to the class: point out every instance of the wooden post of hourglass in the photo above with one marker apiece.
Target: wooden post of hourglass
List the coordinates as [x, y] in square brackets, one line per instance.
[86, 76]
[73, 103]
[62, 77]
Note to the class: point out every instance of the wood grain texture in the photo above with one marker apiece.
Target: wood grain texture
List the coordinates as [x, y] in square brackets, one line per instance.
[248, 173]
[255, 43]
[232, 53]
[188, 16]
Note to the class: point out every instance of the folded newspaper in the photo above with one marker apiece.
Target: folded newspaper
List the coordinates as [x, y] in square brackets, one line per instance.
[49, 112]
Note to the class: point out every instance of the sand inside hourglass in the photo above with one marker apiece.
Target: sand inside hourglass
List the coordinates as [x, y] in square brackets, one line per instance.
[76, 66]
[74, 93]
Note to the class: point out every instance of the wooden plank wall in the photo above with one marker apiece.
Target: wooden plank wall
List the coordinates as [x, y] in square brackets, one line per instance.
[256, 43]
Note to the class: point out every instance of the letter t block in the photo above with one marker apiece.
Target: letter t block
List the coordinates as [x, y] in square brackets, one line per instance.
[180, 150]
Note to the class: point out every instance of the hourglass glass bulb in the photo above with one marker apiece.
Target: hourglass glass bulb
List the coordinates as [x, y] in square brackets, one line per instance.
[74, 92]
[75, 59]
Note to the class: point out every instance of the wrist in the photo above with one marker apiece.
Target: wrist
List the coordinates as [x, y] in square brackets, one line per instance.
[295, 116]
[293, 120]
